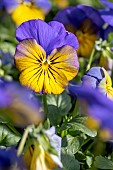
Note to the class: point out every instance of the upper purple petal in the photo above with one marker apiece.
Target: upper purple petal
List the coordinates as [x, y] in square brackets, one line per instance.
[75, 15]
[93, 77]
[46, 35]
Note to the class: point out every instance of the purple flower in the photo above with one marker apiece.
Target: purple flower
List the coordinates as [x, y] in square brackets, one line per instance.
[19, 105]
[8, 159]
[85, 22]
[97, 106]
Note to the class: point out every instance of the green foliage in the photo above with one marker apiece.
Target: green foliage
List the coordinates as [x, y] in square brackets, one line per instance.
[103, 163]
[69, 161]
[58, 106]
[8, 136]
[78, 124]
[72, 144]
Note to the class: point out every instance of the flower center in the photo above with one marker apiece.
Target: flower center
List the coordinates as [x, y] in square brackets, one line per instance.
[45, 65]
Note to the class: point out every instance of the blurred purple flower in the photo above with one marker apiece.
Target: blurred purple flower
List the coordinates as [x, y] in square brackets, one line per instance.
[18, 105]
[97, 106]
[9, 160]
[85, 22]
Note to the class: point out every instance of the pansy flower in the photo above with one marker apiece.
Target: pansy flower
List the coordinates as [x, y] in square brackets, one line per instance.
[97, 77]
[39, 155]
[46, 56]
[98, 107]
[24, 10]
[18, 105]
[85, 22]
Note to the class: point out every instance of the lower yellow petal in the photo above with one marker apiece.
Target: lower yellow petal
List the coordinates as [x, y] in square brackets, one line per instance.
[66, 61]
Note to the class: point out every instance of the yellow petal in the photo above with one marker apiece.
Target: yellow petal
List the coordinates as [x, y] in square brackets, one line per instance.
[25, 12]
[66, 61]
[28, 59]
[105, 85]
[39, 159]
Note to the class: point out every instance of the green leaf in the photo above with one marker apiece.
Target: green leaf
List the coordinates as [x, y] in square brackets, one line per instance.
[110, 37]
[54, 115]
[103, 163]
[69, 161]
[7, 136]
[72, 144]
[78, 124]
[61, 101]
[58, 106]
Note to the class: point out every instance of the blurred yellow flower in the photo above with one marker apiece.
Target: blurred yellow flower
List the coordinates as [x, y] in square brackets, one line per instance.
[62, 4]
[25, 12]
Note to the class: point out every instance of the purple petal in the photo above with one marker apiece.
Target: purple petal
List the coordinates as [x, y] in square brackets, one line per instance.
[76, 15]
[44, 4]
[5, 99]
[107, 16]
[11, 5]
[46, 35]
[107, 3]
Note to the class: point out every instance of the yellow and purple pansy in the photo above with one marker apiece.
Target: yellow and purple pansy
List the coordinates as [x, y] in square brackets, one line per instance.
[46, 56]
[85, 22]
[97, 77]
[24, 10]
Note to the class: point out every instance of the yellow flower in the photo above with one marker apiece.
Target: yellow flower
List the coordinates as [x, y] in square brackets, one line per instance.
[46, 74]
[25, 12]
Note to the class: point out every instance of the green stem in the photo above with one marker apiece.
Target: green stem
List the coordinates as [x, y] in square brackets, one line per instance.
[90, 59]
[45, 104]
[23, 140]
[75, 109]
